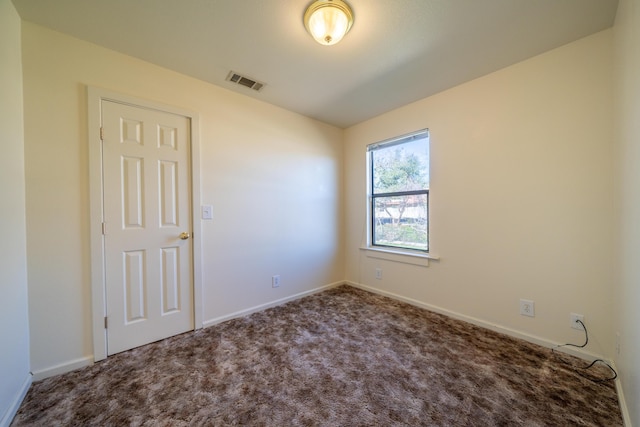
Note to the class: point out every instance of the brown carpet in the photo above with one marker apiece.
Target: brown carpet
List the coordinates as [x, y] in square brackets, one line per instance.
[343, 357]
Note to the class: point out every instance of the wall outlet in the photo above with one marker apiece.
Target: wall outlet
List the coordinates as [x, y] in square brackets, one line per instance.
[527, 308]
[275, 281]
[379, 273]
[574, 321]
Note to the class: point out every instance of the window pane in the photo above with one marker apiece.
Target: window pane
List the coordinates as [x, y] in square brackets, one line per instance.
[401, 221]
[403, 167]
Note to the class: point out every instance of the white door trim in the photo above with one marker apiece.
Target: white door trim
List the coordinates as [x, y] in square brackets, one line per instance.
[98, 291]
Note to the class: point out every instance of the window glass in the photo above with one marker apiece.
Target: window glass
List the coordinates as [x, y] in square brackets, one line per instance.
[399, 192]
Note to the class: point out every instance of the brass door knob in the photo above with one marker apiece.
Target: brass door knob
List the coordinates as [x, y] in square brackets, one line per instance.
[184, 235]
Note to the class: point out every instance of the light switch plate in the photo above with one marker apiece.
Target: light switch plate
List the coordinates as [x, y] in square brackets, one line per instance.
[207, 212]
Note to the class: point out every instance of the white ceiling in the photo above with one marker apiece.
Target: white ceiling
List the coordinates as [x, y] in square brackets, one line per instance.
[397, 51]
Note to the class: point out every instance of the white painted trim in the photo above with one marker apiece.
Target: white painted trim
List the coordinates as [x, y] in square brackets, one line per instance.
[196, 221]
[98, 300]
[63, 368]
[95, 96]
[400, 252]
[482, 323]
[399, 256]
[16, 402]
[624, 409]
[267, 305]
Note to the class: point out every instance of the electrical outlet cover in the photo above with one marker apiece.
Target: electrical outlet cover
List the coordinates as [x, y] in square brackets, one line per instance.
[574, 317]
[527, 308]
[275, 281]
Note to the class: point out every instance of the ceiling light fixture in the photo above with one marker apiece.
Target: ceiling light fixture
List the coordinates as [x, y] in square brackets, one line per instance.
[328, 20]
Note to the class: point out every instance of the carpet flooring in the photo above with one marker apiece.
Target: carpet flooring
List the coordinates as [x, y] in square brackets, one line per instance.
[343, 357]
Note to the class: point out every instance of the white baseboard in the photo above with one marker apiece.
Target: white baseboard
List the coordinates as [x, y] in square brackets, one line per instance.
[88, 361]
[626, 418]
[62, 368]
[274, 303]
[479, 322]
[17, 401]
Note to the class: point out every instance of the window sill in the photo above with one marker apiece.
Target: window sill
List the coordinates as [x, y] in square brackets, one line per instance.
[399, 255]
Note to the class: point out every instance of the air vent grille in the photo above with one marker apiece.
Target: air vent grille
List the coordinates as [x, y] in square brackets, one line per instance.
[236, 78]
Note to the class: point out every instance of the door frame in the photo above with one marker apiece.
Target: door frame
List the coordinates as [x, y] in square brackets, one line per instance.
[95, 97]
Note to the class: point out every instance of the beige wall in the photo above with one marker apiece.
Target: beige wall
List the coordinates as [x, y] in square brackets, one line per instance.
[627, 158]
[521, 196]
[14, 326]
[272, 176]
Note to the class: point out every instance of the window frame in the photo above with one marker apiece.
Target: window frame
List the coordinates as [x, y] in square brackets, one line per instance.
[371, 197]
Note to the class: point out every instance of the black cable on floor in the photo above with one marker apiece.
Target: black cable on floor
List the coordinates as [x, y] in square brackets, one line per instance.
[586, 341]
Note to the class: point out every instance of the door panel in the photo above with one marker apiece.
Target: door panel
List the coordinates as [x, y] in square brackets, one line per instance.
[133, 285]
[147, 205]
[132, 200]
[168, 194]
[170, 282]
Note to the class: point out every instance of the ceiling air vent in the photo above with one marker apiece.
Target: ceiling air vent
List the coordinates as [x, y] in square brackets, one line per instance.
[236, 78]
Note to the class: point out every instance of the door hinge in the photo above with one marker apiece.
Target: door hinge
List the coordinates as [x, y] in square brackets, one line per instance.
[101, 133]
[104, 228]
[105, 322]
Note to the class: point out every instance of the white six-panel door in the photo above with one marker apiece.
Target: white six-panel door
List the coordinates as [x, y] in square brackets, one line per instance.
[147, 225]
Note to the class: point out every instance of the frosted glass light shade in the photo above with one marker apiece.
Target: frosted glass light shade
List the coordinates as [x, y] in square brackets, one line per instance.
[328, 21]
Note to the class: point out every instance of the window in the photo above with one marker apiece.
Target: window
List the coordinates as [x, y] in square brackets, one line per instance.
[399, 192]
